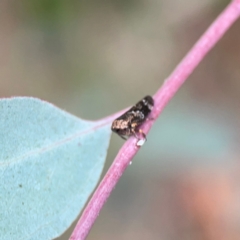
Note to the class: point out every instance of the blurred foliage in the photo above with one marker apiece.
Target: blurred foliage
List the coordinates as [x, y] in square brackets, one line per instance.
[49, 12]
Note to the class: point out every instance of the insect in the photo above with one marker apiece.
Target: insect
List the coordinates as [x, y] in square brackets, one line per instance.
[128, 124]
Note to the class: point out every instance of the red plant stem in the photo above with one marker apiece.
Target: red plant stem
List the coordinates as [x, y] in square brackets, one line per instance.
[161, 98]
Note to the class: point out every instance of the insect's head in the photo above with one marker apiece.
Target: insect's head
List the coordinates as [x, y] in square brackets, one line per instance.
[148, 101]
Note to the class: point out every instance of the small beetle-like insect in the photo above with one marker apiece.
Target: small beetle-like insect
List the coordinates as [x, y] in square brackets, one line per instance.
[128, 124]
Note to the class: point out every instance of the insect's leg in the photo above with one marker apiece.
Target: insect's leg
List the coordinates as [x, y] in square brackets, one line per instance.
[143, 134]
[134, 133]
[124, 138]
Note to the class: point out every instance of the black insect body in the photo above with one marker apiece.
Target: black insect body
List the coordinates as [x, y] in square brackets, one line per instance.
[128, 124]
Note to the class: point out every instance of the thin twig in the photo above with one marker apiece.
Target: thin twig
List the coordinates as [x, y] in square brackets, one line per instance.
[161, 98]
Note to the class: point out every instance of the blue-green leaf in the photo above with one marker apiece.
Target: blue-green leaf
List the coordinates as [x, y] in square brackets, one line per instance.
[50, 162]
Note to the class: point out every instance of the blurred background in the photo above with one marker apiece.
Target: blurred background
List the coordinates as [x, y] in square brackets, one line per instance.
[94, 58]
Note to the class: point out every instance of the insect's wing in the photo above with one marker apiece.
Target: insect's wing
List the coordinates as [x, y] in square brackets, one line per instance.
[136, 115]
[145, 105]
[142, 109]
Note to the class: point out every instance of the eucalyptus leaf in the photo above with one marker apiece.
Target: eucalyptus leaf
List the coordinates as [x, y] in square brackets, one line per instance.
[50, 162]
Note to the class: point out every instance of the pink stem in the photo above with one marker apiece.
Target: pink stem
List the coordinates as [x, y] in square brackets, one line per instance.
[161, 98]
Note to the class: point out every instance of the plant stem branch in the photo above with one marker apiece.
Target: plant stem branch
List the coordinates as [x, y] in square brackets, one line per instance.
[161, 98]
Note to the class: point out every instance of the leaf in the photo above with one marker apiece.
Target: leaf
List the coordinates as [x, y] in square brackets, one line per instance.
[50, 162]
